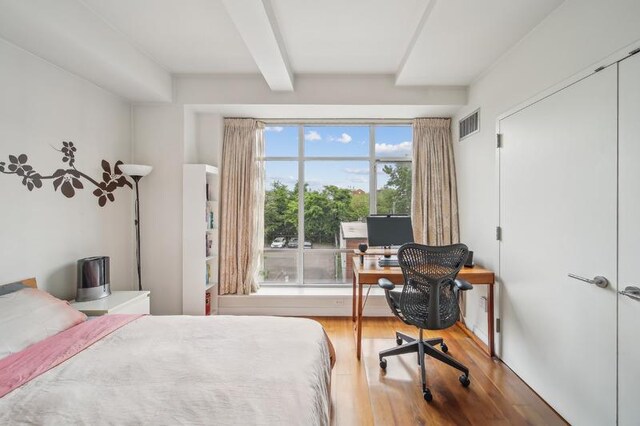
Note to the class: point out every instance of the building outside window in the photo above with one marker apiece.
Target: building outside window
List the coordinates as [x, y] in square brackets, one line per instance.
[321, 182]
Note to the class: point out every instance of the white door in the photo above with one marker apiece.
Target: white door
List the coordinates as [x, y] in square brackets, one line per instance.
[558, 216]
[629, 243]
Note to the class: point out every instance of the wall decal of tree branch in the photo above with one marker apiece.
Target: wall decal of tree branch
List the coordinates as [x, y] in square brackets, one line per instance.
[69, 180]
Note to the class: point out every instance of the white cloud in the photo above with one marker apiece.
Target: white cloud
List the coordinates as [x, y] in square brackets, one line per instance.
[357, 171]
[402, 148]
[273, 129]
[359, 179]
[344, 138]
[312, 135]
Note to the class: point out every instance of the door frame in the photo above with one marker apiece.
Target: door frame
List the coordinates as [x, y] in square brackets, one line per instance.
[621, 284]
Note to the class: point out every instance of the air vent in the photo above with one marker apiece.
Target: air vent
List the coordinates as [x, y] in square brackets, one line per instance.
[470, 124]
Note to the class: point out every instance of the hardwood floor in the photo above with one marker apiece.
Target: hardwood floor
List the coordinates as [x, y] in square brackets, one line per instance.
[362, 394]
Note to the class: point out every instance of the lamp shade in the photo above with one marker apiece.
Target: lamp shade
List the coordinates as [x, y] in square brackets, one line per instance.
[135, 169]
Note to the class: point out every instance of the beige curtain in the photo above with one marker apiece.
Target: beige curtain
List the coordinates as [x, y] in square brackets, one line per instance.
[242, 205]
[434, 198]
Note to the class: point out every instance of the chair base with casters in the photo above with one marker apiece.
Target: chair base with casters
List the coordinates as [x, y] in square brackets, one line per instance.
[424, 348]
[428, 300]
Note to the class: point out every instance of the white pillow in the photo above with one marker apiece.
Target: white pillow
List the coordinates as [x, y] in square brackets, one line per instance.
[29, 315]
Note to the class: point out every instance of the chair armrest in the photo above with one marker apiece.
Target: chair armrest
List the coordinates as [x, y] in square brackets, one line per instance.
[463, 284]
[386, 284]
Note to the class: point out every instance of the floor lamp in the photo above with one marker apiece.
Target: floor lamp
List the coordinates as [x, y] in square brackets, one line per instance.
[137, 172]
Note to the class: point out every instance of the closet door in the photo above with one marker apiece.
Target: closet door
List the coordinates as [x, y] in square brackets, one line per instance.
[629, 243]
[558, 217]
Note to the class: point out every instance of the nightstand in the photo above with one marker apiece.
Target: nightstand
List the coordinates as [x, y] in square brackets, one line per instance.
[118, 302]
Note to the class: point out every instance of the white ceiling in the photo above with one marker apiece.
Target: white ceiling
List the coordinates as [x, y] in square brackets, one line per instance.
[183, 36]
[453, 43]
[461, 38]
[344, 36]
[133, 46]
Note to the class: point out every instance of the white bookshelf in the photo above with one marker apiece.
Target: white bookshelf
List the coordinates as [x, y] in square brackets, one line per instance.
[197, 228]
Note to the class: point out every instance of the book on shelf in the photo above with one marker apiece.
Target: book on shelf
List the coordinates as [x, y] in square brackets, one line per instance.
[208, 245]
[207, 303]
[209, 217]
[208, 274]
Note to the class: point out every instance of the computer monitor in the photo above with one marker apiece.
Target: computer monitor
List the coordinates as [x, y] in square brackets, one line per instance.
[389, 230]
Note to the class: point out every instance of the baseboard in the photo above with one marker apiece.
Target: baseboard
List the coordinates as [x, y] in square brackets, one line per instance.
[480, 334]
[300, 312]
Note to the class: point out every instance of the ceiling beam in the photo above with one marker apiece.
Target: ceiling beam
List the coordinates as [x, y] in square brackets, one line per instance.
[258, 27]
[411, 48]
[331, 89]
[69, 35]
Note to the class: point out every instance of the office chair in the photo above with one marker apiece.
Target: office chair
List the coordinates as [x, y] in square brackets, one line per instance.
[429, 301]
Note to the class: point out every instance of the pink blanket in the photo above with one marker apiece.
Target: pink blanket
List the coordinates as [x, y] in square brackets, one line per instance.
[17, 369]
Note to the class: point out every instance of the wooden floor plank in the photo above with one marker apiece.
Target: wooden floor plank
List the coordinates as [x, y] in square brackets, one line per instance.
[363, 394]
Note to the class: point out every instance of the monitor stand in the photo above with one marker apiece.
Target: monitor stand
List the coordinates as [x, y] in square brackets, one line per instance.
[387, 259]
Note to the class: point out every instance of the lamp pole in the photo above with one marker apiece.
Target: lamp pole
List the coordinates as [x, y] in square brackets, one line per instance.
[136, 179]
[137, 172]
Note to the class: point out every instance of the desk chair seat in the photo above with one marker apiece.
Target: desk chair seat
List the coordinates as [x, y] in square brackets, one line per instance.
[428, 300]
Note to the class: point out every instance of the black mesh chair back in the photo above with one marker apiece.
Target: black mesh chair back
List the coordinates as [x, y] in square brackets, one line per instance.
[429, 297]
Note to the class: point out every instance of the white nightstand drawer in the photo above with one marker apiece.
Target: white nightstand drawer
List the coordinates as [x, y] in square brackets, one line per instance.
[118, 302]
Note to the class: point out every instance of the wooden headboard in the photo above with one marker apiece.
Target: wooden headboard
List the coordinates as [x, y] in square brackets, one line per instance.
[30, 282]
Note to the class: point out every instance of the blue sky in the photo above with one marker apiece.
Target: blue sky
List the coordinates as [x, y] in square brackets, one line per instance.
[333, 141]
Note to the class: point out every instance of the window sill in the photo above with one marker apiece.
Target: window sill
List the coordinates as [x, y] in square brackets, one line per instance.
[310, 290]
[302, 301]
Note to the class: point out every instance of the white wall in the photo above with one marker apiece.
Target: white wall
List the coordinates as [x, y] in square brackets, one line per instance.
[158, 133]
[166, 137]
[209, 134]
[43, 233]
[572, 38]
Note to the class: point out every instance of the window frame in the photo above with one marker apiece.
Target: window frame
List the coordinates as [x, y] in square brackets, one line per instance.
[302, 159]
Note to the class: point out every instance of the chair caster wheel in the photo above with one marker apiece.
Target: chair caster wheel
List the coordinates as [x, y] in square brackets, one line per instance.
[383, 364]
[427, 395]
[464, 379]
[398, 341]
[444, 347]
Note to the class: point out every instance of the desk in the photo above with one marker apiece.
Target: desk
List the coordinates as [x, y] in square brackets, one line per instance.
[367, 272]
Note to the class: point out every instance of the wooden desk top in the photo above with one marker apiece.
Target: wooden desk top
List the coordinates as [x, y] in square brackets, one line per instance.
[369, 272]
[377, 252]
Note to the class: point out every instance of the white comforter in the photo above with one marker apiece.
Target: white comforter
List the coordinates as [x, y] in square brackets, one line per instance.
[220, 370]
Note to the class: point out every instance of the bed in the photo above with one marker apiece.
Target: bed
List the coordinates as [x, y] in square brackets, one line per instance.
[122, 369]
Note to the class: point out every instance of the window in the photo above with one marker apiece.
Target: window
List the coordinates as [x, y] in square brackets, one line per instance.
[347, 172]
